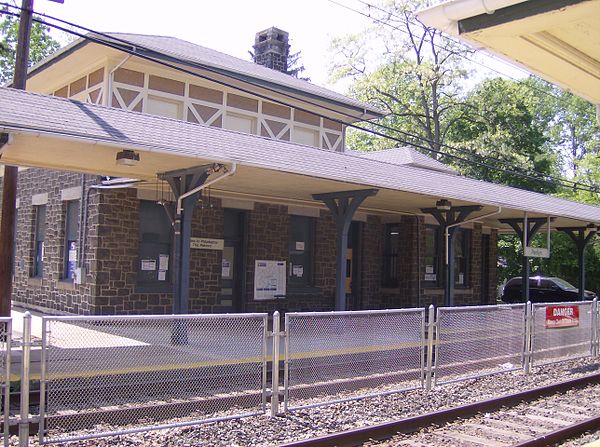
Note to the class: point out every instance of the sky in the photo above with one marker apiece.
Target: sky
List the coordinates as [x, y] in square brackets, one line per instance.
[229, 26]
[224, 25]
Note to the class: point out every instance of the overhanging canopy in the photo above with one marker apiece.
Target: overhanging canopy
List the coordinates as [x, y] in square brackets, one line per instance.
[558, 40]
[64, 134]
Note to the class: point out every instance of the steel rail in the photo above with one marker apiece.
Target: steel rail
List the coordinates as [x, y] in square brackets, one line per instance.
[387, 430]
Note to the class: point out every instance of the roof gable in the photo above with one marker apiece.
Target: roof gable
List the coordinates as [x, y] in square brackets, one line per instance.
[172, 49]
[407, 156]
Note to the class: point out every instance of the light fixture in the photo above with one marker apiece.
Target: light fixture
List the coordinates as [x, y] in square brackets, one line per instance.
[128, 158]
[443, 205]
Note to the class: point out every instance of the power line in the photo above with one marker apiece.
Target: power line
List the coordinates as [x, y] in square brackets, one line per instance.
[451, 39]
[132, 48]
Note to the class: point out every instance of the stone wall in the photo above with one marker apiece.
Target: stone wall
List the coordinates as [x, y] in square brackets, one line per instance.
[111, 257]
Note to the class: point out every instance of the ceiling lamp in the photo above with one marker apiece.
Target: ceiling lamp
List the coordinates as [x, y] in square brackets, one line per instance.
[443, 205]
[127, 158]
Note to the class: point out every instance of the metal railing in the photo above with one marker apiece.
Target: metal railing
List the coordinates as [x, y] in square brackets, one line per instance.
[563, 331]
[112, 375]
[338, 356]
[475, 341]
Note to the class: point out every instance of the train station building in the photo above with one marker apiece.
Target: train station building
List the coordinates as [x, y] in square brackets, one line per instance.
[159, 176]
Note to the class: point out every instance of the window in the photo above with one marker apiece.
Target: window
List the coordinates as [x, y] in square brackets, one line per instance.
[240, 123]
[71, 239]
[305, 136]
[433, 259]
[155, 246]
[461, 257]
[164, 107]
[390, 255]
[39, 233]
[301, 251]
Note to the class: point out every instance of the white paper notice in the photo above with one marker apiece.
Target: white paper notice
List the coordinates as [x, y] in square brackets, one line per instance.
[225, 269]
[148, 264]
[269, 280]
[300, 246]
[298, 271]
[163, 262]
[162, 275]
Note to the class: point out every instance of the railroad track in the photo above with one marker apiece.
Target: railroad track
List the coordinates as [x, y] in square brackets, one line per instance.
[538, 417]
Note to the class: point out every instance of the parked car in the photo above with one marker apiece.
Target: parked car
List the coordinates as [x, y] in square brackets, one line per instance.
[543, 289]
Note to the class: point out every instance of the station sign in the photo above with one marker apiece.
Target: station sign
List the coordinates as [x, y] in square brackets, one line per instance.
[537, 252]
[562, 316]
[203, 243]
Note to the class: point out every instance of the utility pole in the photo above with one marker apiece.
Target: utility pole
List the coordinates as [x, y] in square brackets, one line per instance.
[9, 190]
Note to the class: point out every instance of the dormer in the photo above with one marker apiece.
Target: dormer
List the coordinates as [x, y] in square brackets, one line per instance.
[180, 80]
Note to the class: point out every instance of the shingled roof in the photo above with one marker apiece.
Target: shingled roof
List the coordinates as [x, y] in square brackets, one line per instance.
[35, 114]
[407, 156]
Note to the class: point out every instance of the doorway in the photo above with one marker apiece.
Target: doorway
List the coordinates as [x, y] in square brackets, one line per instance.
[353, 267]
[233, 261]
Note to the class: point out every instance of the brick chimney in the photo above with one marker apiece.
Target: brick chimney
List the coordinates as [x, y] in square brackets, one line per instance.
[271, 49]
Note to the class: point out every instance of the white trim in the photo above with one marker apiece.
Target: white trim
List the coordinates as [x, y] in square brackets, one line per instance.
[39, 199]
[303, 211]
[237, 204]
[445, 16]
[73, 193]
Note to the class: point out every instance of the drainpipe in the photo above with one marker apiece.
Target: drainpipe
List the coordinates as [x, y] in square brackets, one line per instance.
[228, 172]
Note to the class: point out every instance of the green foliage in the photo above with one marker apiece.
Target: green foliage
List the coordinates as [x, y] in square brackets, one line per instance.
[41, 45]
[408, 70]
[506, 121]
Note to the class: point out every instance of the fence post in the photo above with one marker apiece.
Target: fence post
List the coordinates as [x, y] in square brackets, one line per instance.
[275, 365]
[7, 363]
[527, 354]
[595, 328]
[430, 337]
[24, 391]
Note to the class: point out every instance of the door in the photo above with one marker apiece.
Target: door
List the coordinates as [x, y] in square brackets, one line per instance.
[233, 261]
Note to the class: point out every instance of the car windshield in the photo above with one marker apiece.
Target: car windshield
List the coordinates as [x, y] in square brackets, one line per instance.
[565, 285]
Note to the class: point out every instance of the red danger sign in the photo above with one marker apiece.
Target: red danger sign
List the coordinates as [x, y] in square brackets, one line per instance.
[562, 316]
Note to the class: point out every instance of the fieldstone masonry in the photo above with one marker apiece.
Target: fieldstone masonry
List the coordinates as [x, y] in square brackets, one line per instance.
[111, 257]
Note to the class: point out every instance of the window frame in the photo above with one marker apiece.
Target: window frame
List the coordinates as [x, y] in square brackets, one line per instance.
[436, 257]
[158, 247]
[39, 229]
[463, 262]
[391, 256]
[308, 229]
[71, 224]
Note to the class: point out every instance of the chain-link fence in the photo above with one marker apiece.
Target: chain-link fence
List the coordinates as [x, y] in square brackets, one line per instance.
[562, 331]
[114, 375]
[335, 356]
[478, 340]
[5, 347]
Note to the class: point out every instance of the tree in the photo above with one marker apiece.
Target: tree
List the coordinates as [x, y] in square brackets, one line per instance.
[416, 76]
[507, 122]
[41, 45]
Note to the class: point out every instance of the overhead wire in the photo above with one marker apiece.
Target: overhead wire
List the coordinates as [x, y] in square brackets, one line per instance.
[134, 47]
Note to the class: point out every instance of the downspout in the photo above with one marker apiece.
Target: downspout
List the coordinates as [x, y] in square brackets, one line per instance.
[474, 219]
[228, 172]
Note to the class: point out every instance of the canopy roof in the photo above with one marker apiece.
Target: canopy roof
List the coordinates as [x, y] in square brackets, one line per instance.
[558, 40]
[64, 134]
